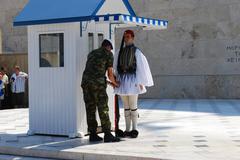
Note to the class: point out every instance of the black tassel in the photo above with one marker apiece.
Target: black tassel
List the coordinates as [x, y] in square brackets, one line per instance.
[120, 51]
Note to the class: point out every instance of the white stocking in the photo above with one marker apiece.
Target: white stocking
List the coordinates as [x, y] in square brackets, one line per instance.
[134, 112]
[127, 112]
[134, 117]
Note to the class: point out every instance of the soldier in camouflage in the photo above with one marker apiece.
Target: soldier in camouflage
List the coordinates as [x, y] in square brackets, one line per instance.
[94, 84]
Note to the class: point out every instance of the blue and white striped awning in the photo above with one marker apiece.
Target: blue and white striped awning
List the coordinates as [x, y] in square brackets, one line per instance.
[128, 21]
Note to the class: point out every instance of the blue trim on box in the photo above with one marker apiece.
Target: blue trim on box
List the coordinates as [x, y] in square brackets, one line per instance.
[129, 7]
[129, 18]
[31, 13]
[51, 21]
[98, 7]
[116, 17]
[148, 21]
[106, 18]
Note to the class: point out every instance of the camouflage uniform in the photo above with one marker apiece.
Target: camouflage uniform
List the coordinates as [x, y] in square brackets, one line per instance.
[94, 88]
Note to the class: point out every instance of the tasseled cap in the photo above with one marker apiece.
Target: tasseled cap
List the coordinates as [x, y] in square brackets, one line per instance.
[129, 32]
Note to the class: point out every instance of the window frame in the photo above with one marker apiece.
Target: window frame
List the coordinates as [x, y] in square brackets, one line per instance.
[100, 33]
[93, 42]
[62, 48]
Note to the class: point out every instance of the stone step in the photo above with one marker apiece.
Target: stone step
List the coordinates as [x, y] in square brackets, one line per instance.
[12, 157]
[66, 155]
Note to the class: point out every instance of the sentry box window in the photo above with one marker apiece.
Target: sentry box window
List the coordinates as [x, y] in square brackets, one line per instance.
[100, 39]
[90, 42]
[51, 48]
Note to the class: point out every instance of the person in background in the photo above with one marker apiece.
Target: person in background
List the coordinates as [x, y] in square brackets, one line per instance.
[5, 86]
[1, 89]
[18, 81]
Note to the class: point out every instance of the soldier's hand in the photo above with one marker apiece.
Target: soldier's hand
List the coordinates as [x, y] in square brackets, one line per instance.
[111, 84]
[114, 85]
[117, 84]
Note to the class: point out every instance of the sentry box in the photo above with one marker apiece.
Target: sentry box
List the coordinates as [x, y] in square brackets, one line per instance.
[60, 35]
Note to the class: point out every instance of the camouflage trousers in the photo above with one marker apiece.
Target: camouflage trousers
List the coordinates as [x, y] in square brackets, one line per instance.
[95, 97]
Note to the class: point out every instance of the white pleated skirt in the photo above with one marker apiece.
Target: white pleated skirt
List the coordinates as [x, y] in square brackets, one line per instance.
[130, 83]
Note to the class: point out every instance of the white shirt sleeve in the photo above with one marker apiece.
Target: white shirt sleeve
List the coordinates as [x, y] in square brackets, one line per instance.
[13, 82]
[13, 77]
[5, 79]
[24, 74]
[143, 72]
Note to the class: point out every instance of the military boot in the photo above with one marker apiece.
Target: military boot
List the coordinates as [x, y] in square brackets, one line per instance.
[119, 133]
[108, 137]
[94, 137]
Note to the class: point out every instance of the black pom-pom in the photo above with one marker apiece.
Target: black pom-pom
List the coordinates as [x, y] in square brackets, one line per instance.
[119, 133]
[134, 134]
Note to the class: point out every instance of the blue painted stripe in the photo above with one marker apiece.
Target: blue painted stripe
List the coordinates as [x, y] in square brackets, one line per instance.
[165, 23]
[51, 21]
[115, 17]
[106, 18]
[148, 21]
[131, 18]
[97, 19]
[98, 7]
[124, 17]
[47, 10]
[129, 7]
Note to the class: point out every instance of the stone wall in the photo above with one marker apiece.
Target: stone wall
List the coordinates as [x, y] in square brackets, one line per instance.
[198, 56]
[0, 41]
[9, 61]
[14, 39]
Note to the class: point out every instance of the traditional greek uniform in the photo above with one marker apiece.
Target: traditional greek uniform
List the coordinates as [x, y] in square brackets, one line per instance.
[131, 70]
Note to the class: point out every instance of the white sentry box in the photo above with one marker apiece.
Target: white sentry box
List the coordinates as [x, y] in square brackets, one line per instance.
[55, 95]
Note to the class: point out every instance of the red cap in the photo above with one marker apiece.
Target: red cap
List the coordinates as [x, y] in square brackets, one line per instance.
[130, 32]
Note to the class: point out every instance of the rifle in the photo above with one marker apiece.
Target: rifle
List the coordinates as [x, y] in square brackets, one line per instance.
[118, 132]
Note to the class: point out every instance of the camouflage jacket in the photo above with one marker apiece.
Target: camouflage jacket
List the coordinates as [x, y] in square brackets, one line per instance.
[98, 62]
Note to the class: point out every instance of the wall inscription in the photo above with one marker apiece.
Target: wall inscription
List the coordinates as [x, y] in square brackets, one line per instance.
[233, 54]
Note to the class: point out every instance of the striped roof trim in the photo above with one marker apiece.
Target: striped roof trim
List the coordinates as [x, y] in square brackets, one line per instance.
[131, 20]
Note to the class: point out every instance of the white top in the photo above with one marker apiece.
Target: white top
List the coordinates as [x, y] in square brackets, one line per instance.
[18, 82]
[1, 90]
[5, 80]
[129, 84]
